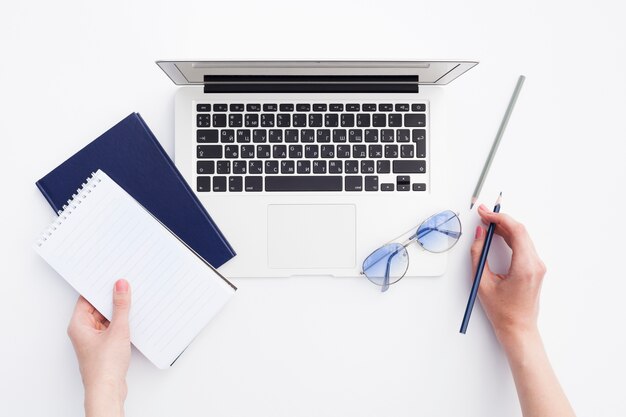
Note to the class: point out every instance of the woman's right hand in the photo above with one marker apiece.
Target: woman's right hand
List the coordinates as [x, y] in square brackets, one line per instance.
[511, 300]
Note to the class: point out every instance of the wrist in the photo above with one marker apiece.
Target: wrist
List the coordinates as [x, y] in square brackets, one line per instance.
[105, 398]
[516, 339]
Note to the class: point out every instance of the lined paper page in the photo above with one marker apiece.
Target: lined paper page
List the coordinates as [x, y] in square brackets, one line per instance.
[106, 235]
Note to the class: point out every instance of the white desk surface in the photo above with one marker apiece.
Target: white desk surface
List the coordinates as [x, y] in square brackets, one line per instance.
[323, 346]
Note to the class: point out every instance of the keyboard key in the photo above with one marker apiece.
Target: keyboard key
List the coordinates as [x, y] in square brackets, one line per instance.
[235, 184]
[203, 108]
[419, 187]
[354, 183]
[247, 151]
[363, 120]
[205, 167]
[369, 107]
[303, 107]
[252, 120]
[319, 167]
[311, 151]
[203, 184]
[418, 134]
[385, 107]
[283, 120]
[383, 167]
[359, 151]
[367, 167]
[403, 135]
[291, 135]
[386, 135]
[331, 120]
[303, 167]
[259, 135]
[243, 136]
[395, 120]
[236, 107]
[355, 135]
[255, 167]
[409, 167]
[219, 184]
[403, 182]
[299, 120]
[343, 151]
[254, 183]
[315, 120]
[263, 151]
[407, 151]
[286, 107]
[387, 187]
[227, 136]
[231, 151]
[353, 107]
[327, 151]
[295, 151]
[421, 148]
[414, 120]
[379, 120]
[336, 107]
[276, 136]
[323, 135]
[391, 151]
[270, 107]
[371, 135]
[253, 107]
[402, 107]
[240, 167]
[287, 167]
[371, 183]
[207, 136]
[303, 183]
[220, 107]
[418, 107]
[376, 151]
[347, 120]
[209, 151]
[267, 120]
[319, 107]
[339, 135]
[223, 167]
[351, 167]
[271, 167]
[335, 167]
[203, 120]
[279, 151]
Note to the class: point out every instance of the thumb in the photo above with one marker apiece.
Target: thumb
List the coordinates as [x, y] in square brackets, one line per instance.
[476, 250]
[121, 306]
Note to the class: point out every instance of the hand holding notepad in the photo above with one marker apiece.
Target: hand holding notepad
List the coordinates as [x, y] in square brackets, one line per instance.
[103, 235]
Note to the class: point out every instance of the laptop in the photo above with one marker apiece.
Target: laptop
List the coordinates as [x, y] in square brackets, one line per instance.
[309, 166]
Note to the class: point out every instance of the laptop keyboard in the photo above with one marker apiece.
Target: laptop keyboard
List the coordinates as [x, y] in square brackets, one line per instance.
[308, 147]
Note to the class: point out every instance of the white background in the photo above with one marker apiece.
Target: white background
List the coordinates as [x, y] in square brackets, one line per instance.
[322, 346]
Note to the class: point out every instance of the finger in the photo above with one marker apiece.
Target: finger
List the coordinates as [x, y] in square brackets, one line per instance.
[476, 251]
[513, 232]
[121, 306]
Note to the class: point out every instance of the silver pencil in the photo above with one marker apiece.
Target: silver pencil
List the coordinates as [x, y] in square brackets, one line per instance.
[496, 142]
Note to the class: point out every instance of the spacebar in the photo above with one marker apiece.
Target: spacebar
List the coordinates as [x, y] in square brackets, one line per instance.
[303, 183]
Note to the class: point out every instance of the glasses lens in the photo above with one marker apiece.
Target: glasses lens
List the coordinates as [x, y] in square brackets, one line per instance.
[439, 232]
[386, 265]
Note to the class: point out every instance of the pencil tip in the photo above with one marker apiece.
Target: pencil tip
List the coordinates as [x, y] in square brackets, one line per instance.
[471, 206]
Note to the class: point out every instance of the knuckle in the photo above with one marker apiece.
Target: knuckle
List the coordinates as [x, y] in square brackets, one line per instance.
[120, 302]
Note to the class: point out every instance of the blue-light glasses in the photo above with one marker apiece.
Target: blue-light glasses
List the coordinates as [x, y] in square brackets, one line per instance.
[389, 263]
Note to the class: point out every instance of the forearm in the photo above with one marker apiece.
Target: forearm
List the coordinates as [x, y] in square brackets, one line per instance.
[105, 401]
[538, 389]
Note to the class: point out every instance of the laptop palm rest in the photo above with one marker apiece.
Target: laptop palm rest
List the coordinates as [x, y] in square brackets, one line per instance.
[308, 236]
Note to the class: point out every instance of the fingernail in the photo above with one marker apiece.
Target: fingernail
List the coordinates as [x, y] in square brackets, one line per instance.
[483, 207]
[479, 232]
[121, 286]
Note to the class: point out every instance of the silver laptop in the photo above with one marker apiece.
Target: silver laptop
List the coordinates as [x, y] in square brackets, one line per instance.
[309, 166]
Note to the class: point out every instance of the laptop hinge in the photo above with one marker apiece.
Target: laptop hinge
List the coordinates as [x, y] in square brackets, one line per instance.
[310, 84]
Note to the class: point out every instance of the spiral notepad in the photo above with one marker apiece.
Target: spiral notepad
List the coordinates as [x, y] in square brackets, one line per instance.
[103, 235]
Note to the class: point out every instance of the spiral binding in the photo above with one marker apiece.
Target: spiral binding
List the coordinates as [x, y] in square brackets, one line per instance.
[73, 203]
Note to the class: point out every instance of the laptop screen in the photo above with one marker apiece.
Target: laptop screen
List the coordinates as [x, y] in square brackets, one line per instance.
[427, 72]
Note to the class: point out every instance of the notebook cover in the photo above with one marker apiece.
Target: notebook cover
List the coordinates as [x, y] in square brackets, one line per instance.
[131, 155]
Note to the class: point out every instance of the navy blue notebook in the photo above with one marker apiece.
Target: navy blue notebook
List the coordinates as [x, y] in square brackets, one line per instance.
[131, 155]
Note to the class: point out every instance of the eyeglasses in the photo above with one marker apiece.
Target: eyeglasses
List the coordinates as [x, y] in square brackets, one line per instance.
[389, 263]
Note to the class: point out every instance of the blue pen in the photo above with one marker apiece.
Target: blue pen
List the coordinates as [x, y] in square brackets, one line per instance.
[479, 270]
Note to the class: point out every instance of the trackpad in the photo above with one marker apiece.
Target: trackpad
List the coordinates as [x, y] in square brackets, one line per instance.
[311, 236]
